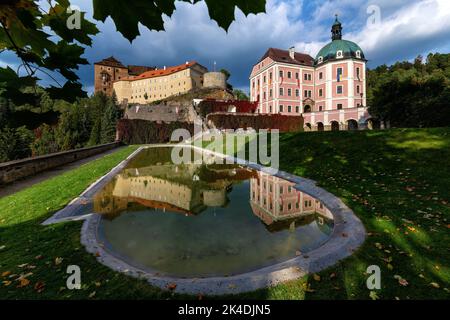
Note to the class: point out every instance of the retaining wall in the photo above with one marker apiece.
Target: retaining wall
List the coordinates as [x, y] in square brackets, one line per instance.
[14, 170]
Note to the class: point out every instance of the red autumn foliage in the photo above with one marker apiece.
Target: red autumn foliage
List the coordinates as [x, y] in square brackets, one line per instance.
[137, 131]
[256, 121]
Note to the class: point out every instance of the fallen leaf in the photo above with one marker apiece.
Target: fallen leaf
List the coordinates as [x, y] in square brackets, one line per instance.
[39, 286]
[92, 294]
[434, 284]
[22, 265]
[172, 286]
[6, 273]
[373, 295]
[6, 283]
[39, 257]
[58, 260]
[333, 275]
[298, 253]
[23, 282]
[316, 277]
[403, 282]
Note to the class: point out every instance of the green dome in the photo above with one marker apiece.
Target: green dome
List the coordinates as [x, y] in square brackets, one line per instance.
[349, 50]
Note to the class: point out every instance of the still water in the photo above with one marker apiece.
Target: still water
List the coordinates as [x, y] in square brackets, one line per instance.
[199, 220]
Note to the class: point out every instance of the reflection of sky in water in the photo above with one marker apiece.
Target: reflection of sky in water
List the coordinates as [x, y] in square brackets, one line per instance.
[203, 220]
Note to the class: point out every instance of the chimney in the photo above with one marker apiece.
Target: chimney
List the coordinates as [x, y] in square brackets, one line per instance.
[292, 52]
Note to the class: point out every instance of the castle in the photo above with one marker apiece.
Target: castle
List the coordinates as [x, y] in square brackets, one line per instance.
[329, 91]
[143, 85]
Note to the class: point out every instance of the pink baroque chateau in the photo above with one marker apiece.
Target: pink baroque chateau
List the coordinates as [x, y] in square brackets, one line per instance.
[328, 91]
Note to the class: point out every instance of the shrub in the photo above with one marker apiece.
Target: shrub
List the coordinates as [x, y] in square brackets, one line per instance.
[15, 143]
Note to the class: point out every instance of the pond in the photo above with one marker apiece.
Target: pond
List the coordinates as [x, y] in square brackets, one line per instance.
[205, 219]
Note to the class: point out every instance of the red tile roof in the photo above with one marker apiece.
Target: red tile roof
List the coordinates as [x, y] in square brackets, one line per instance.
[161, 72]
[280, 55]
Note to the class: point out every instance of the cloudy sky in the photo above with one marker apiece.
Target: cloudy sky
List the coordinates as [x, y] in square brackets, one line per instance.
[386, 30]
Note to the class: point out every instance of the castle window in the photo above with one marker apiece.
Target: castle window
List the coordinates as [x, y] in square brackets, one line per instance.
[339, 54]
[357, 73]
[320, 92]
[297, 92]
[296, 75]
[289, 109]
[320, 75]
[357, 89]
[358, 54]
[339, 106]
[281, 73]
[264, 79]
[289, 75]
[281, 92]
[297, 109]
[270, 93]
[320, 59]
[281, 110]
[320, 108]
[339, 89]
[289, 92]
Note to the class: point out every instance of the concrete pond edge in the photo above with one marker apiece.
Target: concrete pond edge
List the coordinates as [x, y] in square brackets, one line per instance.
[347, 235]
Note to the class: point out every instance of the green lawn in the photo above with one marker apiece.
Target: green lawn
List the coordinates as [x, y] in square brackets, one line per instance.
[396, 181]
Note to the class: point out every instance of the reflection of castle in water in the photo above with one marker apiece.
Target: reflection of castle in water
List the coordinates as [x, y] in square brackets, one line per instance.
[187, 189]
[152, 181]
[279, 205]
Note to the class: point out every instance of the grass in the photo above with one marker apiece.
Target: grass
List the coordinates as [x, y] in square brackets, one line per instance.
[396, 181]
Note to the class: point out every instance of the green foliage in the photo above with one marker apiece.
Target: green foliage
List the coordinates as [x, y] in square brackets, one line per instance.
[73, 128]
[15, 143]
[109, 123]
[412, 94]
[46, 142]
[226, 73]
[127, 15]
[240, 95]
[43, 42]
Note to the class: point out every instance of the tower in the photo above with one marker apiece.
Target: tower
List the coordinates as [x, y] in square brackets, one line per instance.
[336, 30]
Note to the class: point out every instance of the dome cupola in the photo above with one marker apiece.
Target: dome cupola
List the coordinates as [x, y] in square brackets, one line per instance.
[338, 48]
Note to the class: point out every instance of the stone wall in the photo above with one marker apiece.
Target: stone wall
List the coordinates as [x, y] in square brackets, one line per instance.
[15, 170]
[163, 112]
[138, 131]
[214, 80]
